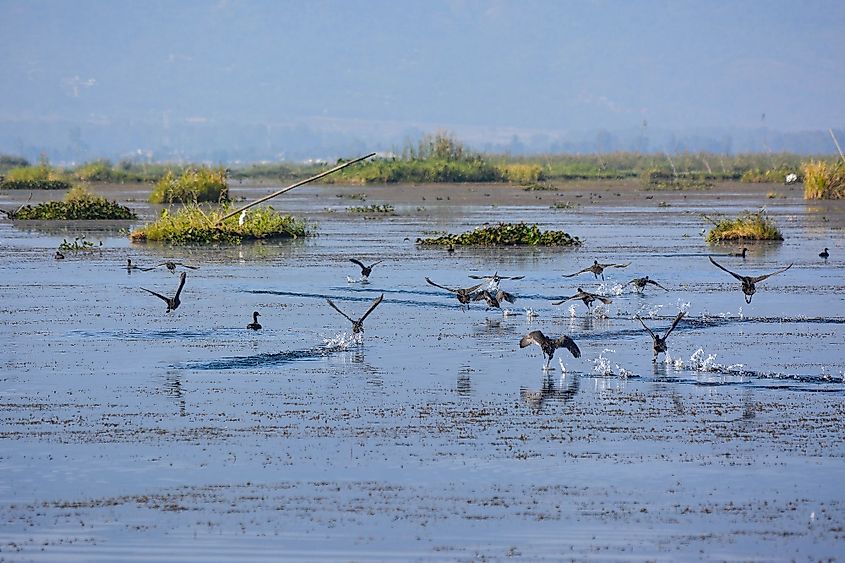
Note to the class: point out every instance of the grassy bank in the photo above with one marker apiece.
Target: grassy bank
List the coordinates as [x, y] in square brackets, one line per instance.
[504, 234]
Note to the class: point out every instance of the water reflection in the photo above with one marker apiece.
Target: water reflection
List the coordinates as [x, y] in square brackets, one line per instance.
[464, 385]
[173, 388]
[550, 390]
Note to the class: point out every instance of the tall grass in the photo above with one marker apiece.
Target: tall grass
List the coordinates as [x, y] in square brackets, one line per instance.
[748, 226]
[192, 186]
[824, 180]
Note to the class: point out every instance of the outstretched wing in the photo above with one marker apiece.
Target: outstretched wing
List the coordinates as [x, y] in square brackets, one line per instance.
[481, 277]
[737, 276]
[533, 337]
[512, 277]
[377, 262]
[674, 324]
[565, 299]
[615, 265]
[159, 295]
[351, 320]
[187, 266]
[375, 304]
[482, 295]
[635, 280]
[505, 296]
[153, 267]
[758, 279]
[469, 289]
[578, 272]
[360, 264]
[653, 337]
[570, 345]
[604, 300]
[652, 282]
[443, 287]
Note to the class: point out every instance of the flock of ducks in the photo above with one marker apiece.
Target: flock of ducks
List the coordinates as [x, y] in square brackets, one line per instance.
[488, 290]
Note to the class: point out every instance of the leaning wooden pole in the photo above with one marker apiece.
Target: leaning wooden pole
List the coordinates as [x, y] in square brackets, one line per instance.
[835, 142]
[296, 185]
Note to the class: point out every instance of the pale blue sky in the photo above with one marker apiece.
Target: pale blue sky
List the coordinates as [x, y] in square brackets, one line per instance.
[513, 66]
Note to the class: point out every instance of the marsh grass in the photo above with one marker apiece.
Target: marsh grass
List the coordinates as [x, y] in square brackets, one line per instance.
[748, 226]
[771, 176]
[194, 185]
[39, 177]
[824, 180]
[504, 234]
[192, 225]
[78, 204]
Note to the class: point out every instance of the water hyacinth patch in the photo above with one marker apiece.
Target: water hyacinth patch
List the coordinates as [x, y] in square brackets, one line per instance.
[504, 234]
[78, 204]
[748, 226]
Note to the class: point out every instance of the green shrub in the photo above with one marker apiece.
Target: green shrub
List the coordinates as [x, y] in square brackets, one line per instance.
[192, 186]
[521, 173]
[78, 204]
[191, 225]
[100, 171]
[748, 226]
[504, 234]
[824, 180]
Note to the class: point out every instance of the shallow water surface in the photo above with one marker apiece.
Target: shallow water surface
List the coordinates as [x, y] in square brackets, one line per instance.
[128, 433]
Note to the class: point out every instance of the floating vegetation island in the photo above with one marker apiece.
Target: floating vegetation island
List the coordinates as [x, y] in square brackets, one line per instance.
[192, 186]
[78, 204]
[504, 234]
[192, 225]
[824, 180]
[748, 226]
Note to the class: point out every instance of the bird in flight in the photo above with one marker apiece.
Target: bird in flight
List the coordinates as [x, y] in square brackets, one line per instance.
[586, 297]
[749, 283]
[640, 283]
[597, 269]
[660, 341]
[494, 300]
[358, 325]
[365, 270]
[172, 302]
[170, 266]
[549, 345]
[464, 295]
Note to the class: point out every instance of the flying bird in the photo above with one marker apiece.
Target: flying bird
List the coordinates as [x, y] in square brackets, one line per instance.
[640, 283]
[597, 269]
[464, 295]
[586, 297]
[365, 270]
[358, 326]
[495, 278]
[172, 302]
[549, 345]
[170, 266]
[748, 282]
[494, 300]
[254, 324]
[660, 342]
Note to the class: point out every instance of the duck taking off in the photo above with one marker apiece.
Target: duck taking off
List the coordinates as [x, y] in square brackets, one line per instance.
[170, 266]
[749, 282]
[495, 278]
[172, 302]
[494, 300]
[640, 283]
[586, 297]
[660, 342]
[549, 345]
[358, 326]
[597, 269]
[464, 295]
[365, 270]
[254, 324]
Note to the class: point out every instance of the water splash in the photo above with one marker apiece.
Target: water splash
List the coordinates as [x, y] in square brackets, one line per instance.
[342, 341]
[683, 307]
[572, 313]
[362, 280]
[610, 289]
[530, 314]
[601, 312]
[602, 365]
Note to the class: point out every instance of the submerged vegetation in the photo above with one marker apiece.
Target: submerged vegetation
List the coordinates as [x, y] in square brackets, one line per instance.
[504, 234]
[192, 225]
[824, 180]
[194, 185]
[748, 226]
[78, 204]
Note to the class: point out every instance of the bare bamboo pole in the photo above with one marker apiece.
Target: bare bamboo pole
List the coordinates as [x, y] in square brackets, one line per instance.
[835, 142]
[296, 185]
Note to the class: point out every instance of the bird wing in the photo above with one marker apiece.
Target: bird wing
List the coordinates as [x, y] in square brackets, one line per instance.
[480, 277]
[187, 266]
[361, 264]
[604, 300]
[482, 295]
[758, 279]
[443, 287]
[674, 324]
[375, 304]
[578, 272]
[159, 295]
[565, 299]
[652, 282]
[630, 282]
[513, 277]
[737, 276]
[648, 329]
[505, 296]
[377, 262]
[470, 289]
[153, 267]
[570, 345]
[351, 320]
[617, 265]
[533, 337]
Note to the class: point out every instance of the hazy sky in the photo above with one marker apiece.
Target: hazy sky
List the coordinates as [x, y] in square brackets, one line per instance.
[504, 64]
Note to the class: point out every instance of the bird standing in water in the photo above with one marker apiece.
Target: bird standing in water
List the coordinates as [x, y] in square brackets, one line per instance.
[464, 295]
[172, 302]
[130, 266]
[586, 297]
[358, 326]
[254, 324]
[749, 283]
[640, 283]
[549, 345]
[58, 256]
[597, 269]
[365, 270]
[741, 253]
[658, 341]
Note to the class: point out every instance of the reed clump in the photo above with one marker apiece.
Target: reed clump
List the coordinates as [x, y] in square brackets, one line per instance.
[78, 204]
[824, 180]
[504, 234]
[747, 227]
[191, 225]
[39, 177]
[194, 185]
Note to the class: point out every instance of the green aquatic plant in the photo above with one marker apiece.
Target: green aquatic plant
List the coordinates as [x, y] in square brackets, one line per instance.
[79, 244]
[192, 225]
[769, 176]
[194, 185]
[383, 208]
[748, 226]
[824, 180]
[78, 204]
[504, 234]
[39, 177]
